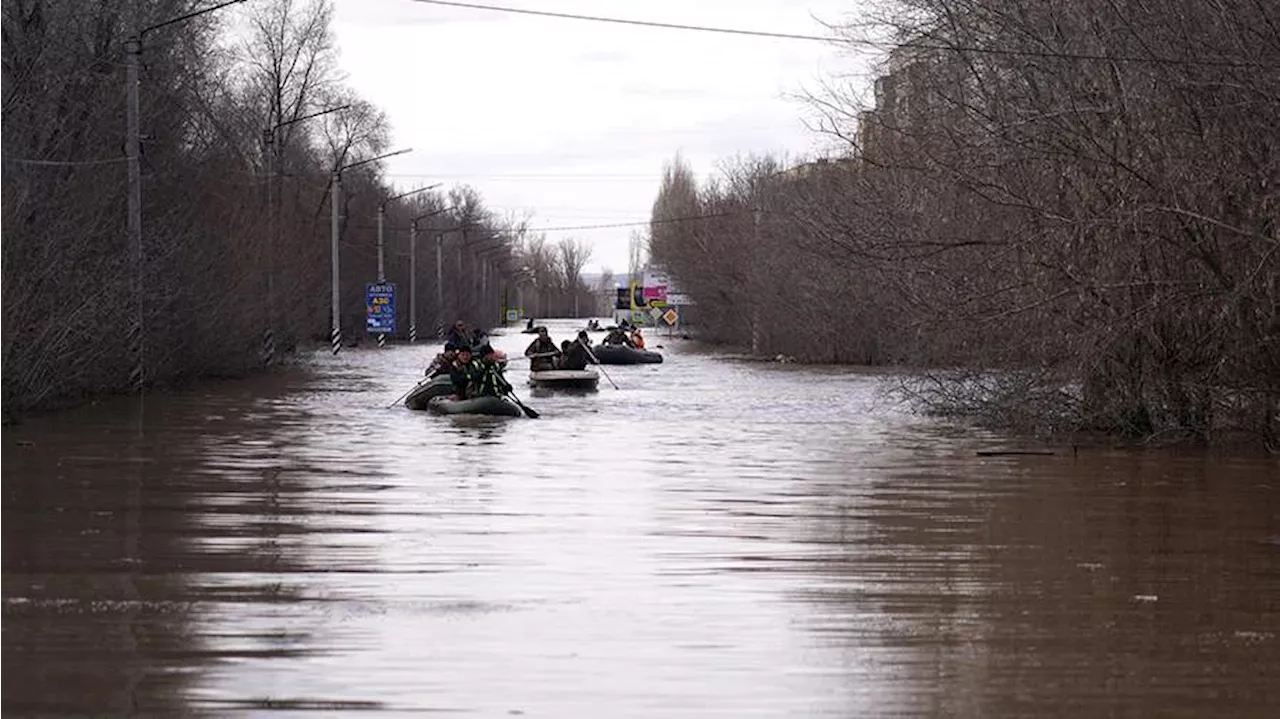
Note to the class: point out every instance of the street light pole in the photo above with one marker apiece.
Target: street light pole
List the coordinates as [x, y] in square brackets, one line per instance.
[413, 272]
[132, 149]
[335, 332]
[133, 153]
[272, 161]
[440, 282]
[382, 271]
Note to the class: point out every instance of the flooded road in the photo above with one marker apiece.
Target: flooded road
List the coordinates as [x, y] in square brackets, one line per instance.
[712, 539]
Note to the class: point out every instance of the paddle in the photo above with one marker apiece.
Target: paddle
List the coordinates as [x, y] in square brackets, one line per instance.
[411, 391]
[528, 411]
[595, 359]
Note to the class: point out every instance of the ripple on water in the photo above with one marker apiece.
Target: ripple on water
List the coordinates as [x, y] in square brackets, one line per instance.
[714, 539]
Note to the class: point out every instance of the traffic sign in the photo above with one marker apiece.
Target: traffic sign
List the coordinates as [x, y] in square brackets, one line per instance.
[513, 315]
[380, 308]
[670, 316]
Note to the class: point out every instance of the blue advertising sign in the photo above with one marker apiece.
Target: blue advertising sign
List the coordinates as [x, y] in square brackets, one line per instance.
[380, 307]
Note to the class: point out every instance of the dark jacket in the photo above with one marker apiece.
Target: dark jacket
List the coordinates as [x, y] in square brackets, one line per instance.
[489, 382]
[576, 357]
[464, 376]
[617, 337]
[542, 346]
[461, 339]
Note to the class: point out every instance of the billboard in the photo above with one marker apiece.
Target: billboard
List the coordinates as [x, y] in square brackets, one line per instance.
[380, 308]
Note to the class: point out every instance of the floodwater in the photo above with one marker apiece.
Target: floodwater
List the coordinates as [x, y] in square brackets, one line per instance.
[713, 538]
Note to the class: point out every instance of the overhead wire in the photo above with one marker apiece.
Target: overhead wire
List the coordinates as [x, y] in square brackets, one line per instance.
[876, 44]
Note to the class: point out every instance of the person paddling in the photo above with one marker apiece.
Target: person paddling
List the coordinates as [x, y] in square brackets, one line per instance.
[443, 361]
[617, 336]
[575, 355]
[490, 382]
[463, 373]
[542, 351]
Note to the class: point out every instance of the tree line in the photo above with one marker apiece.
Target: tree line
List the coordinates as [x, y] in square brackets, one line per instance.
[1065, 212]
[235, 121]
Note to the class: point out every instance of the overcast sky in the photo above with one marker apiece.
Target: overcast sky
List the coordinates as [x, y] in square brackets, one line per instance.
[571, 120]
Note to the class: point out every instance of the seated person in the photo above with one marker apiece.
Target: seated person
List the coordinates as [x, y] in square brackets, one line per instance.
[489, 381]
[575, 356]
[617, 336]
[463, 373]
[542, 351]
[637, 339]
[443, 361]
[458, 334]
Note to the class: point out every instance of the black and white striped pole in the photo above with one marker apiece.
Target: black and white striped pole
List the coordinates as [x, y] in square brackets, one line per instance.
[335, 199]
[413, 281]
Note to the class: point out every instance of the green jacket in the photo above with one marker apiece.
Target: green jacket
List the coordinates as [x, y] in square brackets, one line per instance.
[488, 381]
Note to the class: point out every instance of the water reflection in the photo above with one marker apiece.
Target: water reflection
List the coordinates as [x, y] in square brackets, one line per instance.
[719, 538]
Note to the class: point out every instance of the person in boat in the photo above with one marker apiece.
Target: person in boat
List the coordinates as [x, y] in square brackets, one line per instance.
[479, 338]
[584, 338]
[542, 351]
[443, 361]
[617, 336]
[529, 325]
[464, 372]
[593, 325]
[637, 339]
[489, 381]
[458, 334]
[575, 355]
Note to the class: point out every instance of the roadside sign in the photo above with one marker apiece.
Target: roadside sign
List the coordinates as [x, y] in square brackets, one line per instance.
[655, 313]
[670, 317]
[513, 315]
[380, 308]
[678, 299]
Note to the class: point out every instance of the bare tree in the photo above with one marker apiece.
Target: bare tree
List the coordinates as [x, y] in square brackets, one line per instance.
[574, 255]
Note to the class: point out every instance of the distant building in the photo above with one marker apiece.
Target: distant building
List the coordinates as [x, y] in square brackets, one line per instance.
[917, 94]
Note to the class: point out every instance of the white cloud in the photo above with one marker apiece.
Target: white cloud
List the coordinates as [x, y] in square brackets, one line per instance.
[573, 120]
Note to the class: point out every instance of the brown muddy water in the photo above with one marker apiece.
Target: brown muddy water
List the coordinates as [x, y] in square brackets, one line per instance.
[712, 539]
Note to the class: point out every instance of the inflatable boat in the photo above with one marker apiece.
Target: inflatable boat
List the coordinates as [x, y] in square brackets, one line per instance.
[565, 379]
[440, 386]
[622, 354]
[495, 406]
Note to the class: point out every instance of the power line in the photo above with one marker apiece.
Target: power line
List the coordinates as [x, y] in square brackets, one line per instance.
[1154, 60]
[644, 223]
[621, 21]
[71, 163]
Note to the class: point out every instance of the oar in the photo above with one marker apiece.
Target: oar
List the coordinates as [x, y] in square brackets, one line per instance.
[411, 391]
[528, 411]
[598, 365]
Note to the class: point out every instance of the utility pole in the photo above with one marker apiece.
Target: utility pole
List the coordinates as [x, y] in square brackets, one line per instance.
[335, 322]
[440, 283]
[268, 333]
[335, 333]
[413, 271]
[755, 304]
[132, 150]
[382, 270]
[272, 162]
[133, 154]
[413, 281]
